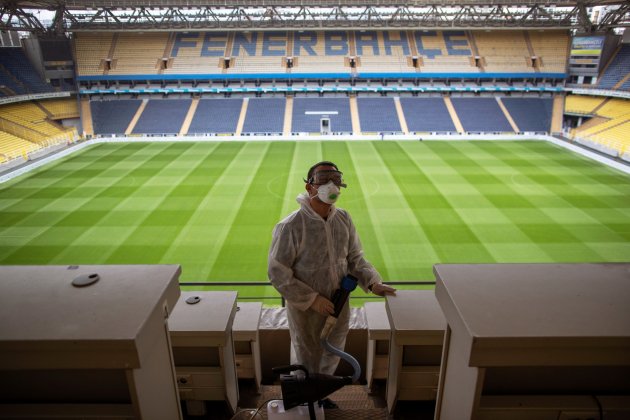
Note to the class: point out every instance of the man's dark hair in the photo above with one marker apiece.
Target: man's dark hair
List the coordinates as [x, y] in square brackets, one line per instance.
[311, 171]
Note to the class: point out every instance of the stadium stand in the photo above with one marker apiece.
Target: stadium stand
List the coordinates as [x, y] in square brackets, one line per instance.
[127, 58]
[481, 115]
[336, 109]
[59, 109]
[216, 116]
[18, 73]
[378, 115]
[91, 50]
[333, 53]
[113, 117]
[196, 53]
[259, 52]
[444, 52]
[551, 48]
[530, 114]
[162, 116]
[383, 51]
[12, 146]
[32, 123]
[617, 70]
[608, 130]
[320, 52]
[264, 116]
[503, 52]
[578, 104]
[427, 115]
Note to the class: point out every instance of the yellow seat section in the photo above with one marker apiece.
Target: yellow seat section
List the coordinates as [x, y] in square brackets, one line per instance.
[504, 51]
[60, 109]
[552, 48]
[614, 130]
[30, 122]
[138, 53]
[577, 104]
[91, 48]
[12, 146]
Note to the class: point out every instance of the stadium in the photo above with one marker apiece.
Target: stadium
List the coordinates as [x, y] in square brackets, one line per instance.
[172, 136]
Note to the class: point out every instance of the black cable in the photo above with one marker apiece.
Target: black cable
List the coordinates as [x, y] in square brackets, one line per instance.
[599, 407]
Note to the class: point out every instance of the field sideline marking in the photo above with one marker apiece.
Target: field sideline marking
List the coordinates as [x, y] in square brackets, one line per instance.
[606, 161]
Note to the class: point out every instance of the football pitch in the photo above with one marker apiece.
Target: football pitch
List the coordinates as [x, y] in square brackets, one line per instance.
[211, 206]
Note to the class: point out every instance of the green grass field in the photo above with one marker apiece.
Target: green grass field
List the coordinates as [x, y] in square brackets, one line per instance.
[211, 207]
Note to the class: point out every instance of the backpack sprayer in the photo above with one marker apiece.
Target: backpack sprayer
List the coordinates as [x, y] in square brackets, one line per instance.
[298, 389]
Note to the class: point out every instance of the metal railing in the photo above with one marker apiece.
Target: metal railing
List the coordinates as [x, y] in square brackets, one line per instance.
[282, 300]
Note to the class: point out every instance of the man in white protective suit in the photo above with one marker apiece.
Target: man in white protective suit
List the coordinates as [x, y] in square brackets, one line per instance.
[312, 249]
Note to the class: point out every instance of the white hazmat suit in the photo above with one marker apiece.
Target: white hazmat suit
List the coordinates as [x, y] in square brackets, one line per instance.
[310, 256]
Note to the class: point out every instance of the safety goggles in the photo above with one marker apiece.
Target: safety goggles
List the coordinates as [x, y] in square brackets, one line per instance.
[325, 176]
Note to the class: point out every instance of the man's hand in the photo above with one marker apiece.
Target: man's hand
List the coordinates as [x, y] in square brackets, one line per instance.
[382, 289]
[323, 306]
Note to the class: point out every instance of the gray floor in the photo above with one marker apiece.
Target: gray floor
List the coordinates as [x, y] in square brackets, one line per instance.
[354, 401]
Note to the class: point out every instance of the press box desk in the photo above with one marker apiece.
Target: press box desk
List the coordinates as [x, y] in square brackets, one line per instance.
[546, 339]
[247, 342]
[415, 347]
[98, 351]
[203, 350]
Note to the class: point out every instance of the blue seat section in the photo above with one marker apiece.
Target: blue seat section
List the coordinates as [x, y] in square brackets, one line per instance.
[530, 114]
[427, 114]
[264, 115]
[303, 123]
[378, 115]
[481, 114]
[162, 116]
[15, 62]
[113, 117]
[617, 70]
[216, 116]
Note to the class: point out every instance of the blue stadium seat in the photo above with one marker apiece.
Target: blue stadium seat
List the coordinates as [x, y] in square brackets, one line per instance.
[113, 117]
[378, 115]
[162, 116]
[216, 116]
[616, 70]
[303, 123]
[17, 65]
[427, 115]
[530, 114]
[481, 115]
[264, 115]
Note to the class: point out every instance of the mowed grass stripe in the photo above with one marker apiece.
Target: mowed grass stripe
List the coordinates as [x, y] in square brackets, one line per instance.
[227, 197]
[600, 222]
[196, 239]
[538, 226]
[250, 233]
[34, 191]
[353, 199]
[504, 241]
[403, 241]
[90, 193]
[305, 155]
[49, 240]
[125, 192]
[162, 216]
[442, 224]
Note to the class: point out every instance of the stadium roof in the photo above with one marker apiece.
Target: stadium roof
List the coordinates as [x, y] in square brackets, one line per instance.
[184, 15]
[80, 4]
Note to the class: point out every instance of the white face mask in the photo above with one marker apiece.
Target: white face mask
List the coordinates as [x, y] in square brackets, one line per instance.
[328, 193]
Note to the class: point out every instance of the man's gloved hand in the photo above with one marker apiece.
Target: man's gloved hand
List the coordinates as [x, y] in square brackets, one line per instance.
[323, 306]
[382, 289]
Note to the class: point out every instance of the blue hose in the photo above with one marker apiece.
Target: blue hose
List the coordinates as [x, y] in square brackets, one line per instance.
[345, 356]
